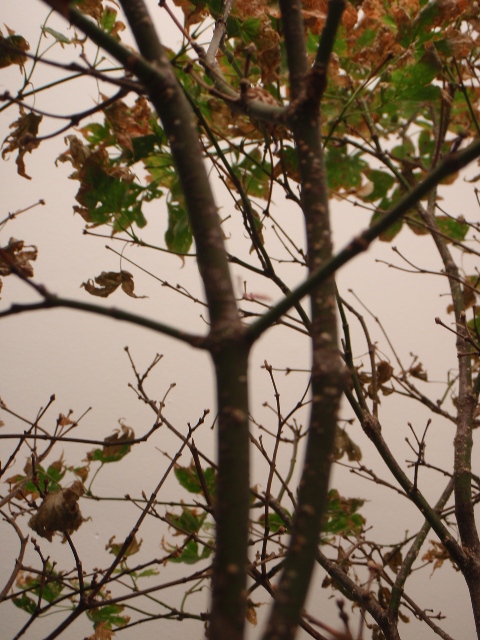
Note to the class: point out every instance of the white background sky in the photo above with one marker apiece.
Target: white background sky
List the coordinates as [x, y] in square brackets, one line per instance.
[80, 358]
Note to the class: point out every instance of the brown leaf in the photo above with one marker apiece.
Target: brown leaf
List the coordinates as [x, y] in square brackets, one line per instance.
[394, 559]
[418, 372]
[82, 472]
[108, 282]
[384, 371]
[343, 444]
[116, 547]
[251, 613]
[16, 255]
[59, 511]
[12, 48]
[114, 443]
[384, 596]
[64, 421]
[23, 138]
[102, 632]
[92, 8]
[129, 122]
[437, 554]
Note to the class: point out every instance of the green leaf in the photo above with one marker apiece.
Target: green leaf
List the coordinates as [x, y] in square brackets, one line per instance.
[189, 521]
[188, 478]
[254, 174]
[26, 603]
[109, 616]
[143, 146]
[59, 37]
[96, 133]
[51, 589]
[382, 183]
[341, 515]
[393, 230]
[190, 553]
[178, 236]
[148, 572]
[48, 480]
[274, 522]
[249, 29]
[413, 83]
[108, 19]
[9, 56]
[100, 455]
[344, 169]
[454, 229]
[426, 145]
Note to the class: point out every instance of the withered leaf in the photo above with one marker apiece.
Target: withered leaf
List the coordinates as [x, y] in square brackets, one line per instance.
[394, 559]
[418, 372]
[437, 554]
[344, 445]
[384, 371]
[59, 511]
[82, 472]
[102, 632]
[108, 282]
[23, 138]
[193, 12]
[114, 448]
[12, 49]
[129, 122]
[15, 255]
[116, 547]
[251, 613]
[92, 8]
[384, 596]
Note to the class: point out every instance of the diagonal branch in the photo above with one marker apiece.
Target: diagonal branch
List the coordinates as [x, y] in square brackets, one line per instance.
[362, 242]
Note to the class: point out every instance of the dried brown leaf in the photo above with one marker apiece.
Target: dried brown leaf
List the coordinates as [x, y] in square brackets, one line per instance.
[418, 372]
[59, 511]
[114, 443]
[12, 49]
[394, 559]
[129, 122]
[437, 554]
[92, 8]
[17, 256]
[251, 613]
[102, 632]
[109, 281]
[116, 547]
[23, 138]
[384, 371]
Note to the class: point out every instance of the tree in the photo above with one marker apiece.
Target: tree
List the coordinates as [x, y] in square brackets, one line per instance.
[372, 102]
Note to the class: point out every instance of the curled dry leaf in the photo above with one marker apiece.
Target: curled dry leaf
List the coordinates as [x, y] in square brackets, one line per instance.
[115, 447]
[437, 554]
[344, 445]
[384, 371]
[102, 632]
[23, 138]
[251, 613]
[129, 122]
[417, 371]
[116, 547]
[93, 8]
[109, 281]
[12, 49]
[59, 512]
[17, 255]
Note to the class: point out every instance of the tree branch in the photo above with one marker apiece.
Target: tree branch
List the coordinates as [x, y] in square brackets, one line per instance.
[361, 243]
